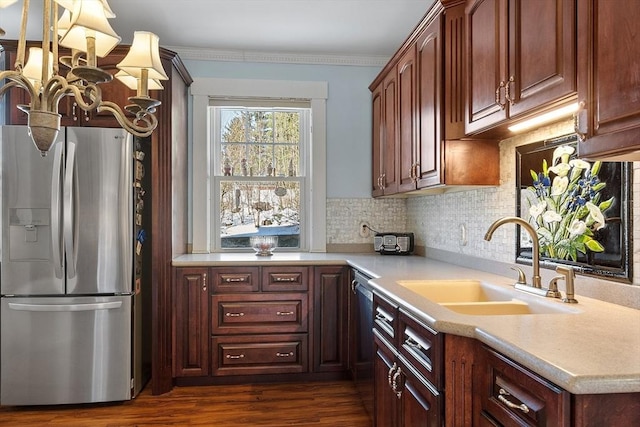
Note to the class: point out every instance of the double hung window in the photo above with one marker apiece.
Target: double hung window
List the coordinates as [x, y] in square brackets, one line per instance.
[259, 170]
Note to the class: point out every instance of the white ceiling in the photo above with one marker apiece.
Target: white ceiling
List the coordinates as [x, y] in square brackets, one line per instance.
[374, 28]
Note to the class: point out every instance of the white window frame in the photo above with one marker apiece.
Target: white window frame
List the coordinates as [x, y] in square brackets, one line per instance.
[205, 88]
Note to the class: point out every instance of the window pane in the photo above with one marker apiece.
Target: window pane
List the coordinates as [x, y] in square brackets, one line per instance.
[287, 127]
[233, 126]
[249, 208]
[260, 126]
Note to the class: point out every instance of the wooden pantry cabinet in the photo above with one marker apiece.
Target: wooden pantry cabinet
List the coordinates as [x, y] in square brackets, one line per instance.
[276, 322]
[520, 59]
[418, 113]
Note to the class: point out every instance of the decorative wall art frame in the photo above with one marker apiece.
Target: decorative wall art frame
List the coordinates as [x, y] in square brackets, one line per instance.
[580, 209]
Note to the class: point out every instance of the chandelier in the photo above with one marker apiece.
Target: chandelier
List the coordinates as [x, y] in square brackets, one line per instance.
[82, 27]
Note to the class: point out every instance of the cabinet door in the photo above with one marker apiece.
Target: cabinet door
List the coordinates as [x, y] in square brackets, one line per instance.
[486, 63]
[429, 58]
[390, 143]
[420, 404]
[385, 401]
[377, 136]
[407, 120]
[542, 54]
[608, 83]
[330, 295]
[191, 338]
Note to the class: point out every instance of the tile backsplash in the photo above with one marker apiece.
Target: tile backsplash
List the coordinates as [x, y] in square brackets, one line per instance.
[457, 221]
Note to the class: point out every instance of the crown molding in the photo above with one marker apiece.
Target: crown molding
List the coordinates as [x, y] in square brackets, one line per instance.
[200, 54]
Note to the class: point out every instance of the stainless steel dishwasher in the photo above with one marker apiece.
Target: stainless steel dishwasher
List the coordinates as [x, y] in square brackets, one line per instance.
[362, 340]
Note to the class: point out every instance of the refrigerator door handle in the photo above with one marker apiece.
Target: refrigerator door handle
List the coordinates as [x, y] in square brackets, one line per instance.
[69, 210]
[65, 307]
[56, 220]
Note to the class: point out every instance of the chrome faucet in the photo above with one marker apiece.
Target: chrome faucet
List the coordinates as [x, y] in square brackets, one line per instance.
[536, 281]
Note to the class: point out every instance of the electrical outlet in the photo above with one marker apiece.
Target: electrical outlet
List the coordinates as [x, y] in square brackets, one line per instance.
[363, 229]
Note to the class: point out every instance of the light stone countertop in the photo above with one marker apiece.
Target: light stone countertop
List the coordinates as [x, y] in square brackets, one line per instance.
[592, 348]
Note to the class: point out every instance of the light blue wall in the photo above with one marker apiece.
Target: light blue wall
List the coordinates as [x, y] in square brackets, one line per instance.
[348, 114]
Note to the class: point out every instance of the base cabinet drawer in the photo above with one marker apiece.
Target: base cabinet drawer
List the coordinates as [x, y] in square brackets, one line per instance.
[510, 395]
[259, 354]
[259, 313]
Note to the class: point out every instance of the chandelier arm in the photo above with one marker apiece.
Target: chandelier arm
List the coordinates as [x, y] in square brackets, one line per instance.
[56, 88]
[16, 79]
[92, 91]
[131, 126]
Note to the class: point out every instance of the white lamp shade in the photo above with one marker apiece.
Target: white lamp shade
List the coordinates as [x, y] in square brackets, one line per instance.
[144, 54]
[68, 5]
[6, 3]
[132, 82]
[64, 23]
[88, 19]
[33, 68]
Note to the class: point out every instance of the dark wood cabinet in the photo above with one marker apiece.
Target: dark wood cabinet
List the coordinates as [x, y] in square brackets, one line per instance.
[418, 136]
[608, 89]
[521, 59]
[191, 356]
[330, 310]
[509, 395]
[260, 321]
[385, 137]
[407, 367]
[407, 121]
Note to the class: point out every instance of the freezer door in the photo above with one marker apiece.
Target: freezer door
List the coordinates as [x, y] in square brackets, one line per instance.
[62, 350]
[32, 260]
[98, 211]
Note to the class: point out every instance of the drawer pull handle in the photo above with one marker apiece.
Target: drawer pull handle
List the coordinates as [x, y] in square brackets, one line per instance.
[234, 314]
[284, 354]
[285, 279]
[413, 343]
[501, 397]
[395, 383]
[383, 318]
[285, 313]
[235, 356]
[390, 373]
[234, 279]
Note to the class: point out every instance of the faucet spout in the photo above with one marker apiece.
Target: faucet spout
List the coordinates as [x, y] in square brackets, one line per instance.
[536, 281]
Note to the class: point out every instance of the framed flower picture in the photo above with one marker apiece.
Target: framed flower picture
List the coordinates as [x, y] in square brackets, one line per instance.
[580, 209]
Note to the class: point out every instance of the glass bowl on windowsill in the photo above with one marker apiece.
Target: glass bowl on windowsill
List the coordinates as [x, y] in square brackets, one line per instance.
[263, 245]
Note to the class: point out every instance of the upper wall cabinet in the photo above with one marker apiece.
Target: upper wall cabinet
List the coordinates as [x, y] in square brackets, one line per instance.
[608, 80]
[417, 104]
[521, 59]
[385, 137]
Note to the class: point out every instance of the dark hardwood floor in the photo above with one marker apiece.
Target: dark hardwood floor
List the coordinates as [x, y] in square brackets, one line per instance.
[334, 404]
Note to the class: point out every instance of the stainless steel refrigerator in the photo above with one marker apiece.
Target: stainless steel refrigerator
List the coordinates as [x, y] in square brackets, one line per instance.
[69, 306]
